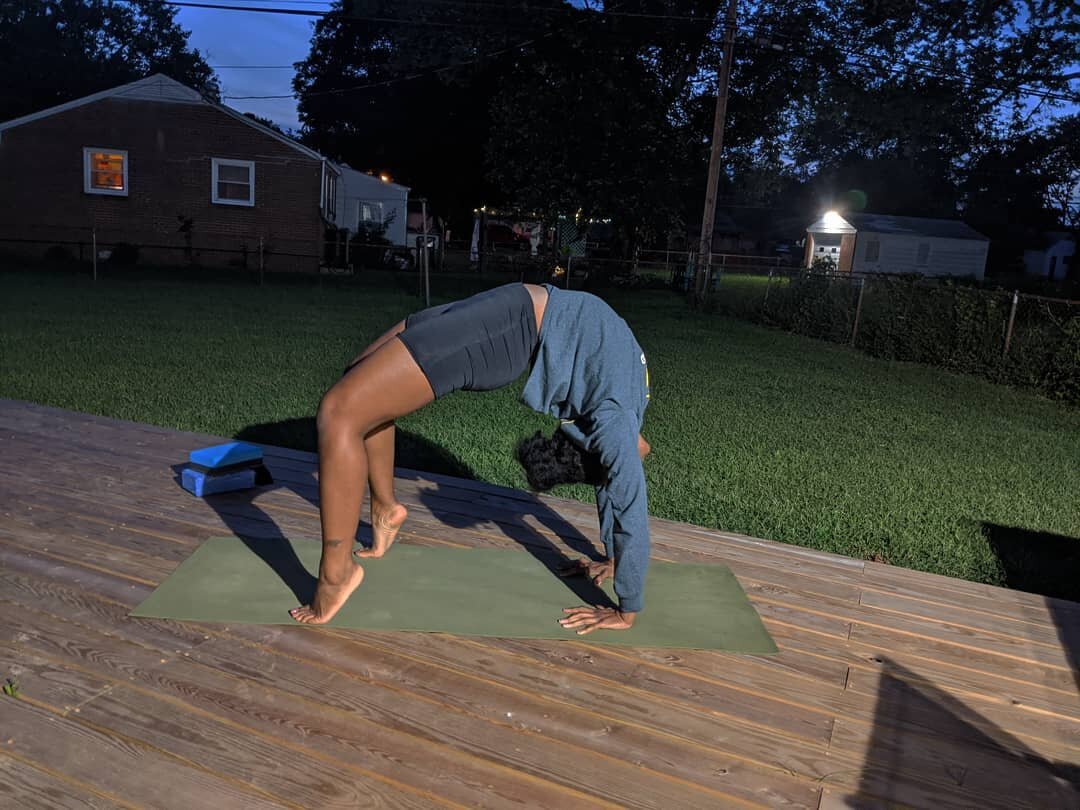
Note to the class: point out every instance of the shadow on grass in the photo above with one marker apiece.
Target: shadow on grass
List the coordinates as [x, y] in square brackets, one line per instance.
[1049, 565]
[928, 749]
[455, 507]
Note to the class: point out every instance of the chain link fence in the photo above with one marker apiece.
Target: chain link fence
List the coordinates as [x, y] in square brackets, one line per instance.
[1006, 336]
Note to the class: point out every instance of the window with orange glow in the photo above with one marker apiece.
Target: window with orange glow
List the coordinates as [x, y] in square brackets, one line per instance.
[105, 171]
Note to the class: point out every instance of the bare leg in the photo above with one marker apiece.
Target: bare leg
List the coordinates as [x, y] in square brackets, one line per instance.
[386, 385]
[387, 514]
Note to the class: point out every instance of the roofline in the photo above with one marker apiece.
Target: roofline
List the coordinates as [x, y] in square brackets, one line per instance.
[974, 237]
[67, 105]
[342, 168]
[113, 91]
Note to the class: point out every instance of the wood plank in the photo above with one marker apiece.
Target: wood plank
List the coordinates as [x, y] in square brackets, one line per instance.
[836, 651]
[1030, 687]
[885, 644]
[216, 746]
[254, 703]
[26, 787]
[1045, 634]
[888, 575]
[305, 680]
[345, 717]
[1028, 652]
[116, 766]
[767, 611]
[1005, 602]
[993, 777]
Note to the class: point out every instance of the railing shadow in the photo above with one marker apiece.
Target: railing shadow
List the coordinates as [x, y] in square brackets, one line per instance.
[1047, 564]
[928, 749]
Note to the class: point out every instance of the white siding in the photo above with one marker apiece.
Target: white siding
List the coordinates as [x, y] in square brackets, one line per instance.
[1060, 254]
[354, 189]
[900, 254]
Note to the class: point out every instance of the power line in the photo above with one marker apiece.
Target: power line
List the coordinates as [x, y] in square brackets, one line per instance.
[907, 62]
[462, 4]
[388, 82]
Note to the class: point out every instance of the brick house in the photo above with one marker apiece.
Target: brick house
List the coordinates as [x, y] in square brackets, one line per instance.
[155, 165]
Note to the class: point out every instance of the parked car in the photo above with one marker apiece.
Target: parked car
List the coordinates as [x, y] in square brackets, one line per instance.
[503, 237]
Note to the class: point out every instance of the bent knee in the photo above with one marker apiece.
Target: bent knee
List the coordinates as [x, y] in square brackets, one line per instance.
[339, 413]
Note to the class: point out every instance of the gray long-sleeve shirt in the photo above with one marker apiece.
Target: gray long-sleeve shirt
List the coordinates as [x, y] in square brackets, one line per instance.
[591, 373]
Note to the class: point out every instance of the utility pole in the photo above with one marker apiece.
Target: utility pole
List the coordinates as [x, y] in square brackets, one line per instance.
[705, 247]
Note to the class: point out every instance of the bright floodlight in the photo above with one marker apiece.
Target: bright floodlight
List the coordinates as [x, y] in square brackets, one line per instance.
[833, 219]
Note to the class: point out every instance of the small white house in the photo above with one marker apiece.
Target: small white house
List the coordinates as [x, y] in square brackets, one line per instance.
[877, 243]
[366, 201]
[1052, 261]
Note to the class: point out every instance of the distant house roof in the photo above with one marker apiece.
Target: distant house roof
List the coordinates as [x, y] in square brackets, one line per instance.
[162, 89]
[349, 173]
[914, 226]
[831, 223]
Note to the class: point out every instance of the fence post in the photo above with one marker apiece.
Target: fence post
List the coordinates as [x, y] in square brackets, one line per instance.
[427, 283]
[93, 245]
[262, 263]
[858, 311]
[569, 262]
[1012, 320]
[768, 286]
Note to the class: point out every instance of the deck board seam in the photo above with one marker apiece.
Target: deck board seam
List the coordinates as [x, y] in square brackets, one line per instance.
[337, 762]
[63, 778]
[165, 753]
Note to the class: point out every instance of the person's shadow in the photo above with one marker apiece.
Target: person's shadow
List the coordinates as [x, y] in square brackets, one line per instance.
[452, 505]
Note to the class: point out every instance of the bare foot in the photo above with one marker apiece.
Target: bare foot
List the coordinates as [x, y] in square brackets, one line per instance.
[384, 528]
[329, 598]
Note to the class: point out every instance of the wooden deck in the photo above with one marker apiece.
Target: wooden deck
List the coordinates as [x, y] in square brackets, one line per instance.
[892, 688]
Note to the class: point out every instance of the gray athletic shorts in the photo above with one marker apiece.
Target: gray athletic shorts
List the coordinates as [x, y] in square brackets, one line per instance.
[478, 344]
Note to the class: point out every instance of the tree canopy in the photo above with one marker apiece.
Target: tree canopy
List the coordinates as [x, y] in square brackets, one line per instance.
[58, 50]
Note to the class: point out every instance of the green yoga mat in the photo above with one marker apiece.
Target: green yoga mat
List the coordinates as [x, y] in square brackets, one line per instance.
[475, 592]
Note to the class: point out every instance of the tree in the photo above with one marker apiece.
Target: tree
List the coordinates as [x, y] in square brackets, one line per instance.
[925, 90]
[52, 51]
[569, 108]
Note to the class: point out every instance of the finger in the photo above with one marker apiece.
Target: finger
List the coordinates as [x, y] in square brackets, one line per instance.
[368, 553]
[575, 622]
[579, 609]
[586, 630]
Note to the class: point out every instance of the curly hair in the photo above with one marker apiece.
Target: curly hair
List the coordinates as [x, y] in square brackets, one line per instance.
[557, 460]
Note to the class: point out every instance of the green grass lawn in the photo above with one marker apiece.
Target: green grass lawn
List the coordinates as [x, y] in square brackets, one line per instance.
[753, 430]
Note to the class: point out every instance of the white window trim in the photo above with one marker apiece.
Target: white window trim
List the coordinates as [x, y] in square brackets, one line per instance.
[248, 164]
[108, 192]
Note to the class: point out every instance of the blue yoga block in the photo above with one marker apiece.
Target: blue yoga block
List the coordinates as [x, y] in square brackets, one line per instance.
[225, 455]
[201, 484]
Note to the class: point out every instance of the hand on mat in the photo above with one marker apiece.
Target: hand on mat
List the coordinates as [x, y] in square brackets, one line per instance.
[596, 571]
[586, 619]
